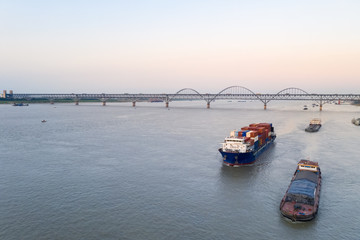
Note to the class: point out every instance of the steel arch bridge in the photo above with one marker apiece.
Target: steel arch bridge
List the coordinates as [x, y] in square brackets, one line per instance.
[228, 93]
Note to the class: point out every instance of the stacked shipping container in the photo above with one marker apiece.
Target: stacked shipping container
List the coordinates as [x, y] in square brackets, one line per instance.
[256, 134]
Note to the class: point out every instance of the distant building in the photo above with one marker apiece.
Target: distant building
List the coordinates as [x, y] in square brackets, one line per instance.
[5, 95]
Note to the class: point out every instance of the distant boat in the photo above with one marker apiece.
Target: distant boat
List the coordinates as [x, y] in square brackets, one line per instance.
[305, 107]
[314, 125]
[356, 121]
[20, 104]
[43, 121]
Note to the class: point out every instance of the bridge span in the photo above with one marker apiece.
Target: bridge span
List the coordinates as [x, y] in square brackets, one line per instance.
[229, 93]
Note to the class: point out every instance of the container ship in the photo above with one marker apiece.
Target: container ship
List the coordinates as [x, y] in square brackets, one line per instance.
[244, 146]
[301, 200]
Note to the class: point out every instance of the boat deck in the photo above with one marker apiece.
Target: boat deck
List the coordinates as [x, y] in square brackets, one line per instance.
[298, 211]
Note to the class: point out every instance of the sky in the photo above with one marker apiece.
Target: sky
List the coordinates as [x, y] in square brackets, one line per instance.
[159, 46]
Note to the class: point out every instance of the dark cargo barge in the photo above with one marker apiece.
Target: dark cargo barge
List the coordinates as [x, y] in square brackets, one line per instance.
[314, 125]
[301, 200]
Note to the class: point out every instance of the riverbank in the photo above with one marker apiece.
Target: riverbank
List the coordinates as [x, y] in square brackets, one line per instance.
[47, 101]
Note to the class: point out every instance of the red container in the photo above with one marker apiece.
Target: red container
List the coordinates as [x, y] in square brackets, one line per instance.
[252, 133]
[245, 128]
[261, 130]
[265, 125]
[267, 132]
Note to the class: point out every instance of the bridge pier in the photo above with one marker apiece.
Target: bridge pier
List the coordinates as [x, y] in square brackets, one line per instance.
[320, 107]
[208, 105]
[134, 104]
[76, 102]
[264, 106]
[166, 104]
[104, 103]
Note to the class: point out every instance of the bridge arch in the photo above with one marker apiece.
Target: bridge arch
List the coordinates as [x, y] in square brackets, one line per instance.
[237, 90]
[289, 92]
[185, 90]
[293, 90]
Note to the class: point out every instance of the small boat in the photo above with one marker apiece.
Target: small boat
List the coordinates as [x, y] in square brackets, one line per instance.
[43, 121]
[305, 107]
[356, 121]
[301, 200]
[314, 125]
[20, 104]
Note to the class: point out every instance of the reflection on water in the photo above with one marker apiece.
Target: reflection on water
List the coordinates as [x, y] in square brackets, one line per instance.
[118, 172]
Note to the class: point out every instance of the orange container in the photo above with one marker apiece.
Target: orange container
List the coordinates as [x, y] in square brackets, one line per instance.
[261, 130]
[267, 132]
[252, 133]
[265, 125]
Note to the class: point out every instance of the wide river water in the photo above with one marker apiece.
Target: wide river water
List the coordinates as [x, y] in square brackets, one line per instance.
[147, 172]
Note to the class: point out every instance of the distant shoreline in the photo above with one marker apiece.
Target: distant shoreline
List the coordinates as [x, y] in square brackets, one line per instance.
[47, 101]
[42, 101]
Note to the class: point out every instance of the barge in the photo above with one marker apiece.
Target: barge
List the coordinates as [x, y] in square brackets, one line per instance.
[314, 125]
[301, 200]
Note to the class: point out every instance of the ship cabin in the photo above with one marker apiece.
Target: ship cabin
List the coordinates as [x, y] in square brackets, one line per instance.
[234, 144]
[308, 165]
[315, 121]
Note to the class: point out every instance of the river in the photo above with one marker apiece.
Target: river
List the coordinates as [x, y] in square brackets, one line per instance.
[148, 172]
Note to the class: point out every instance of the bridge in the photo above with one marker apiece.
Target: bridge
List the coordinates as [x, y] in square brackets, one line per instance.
[229, 93]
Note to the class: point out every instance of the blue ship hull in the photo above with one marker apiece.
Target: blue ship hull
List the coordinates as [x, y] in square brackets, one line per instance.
[236, 159]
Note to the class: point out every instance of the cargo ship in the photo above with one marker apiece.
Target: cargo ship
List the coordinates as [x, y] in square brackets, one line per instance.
[244, 146]
[301, 200]
[314, 125]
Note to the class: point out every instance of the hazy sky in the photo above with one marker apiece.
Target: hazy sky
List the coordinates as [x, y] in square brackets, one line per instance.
[163, 46]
